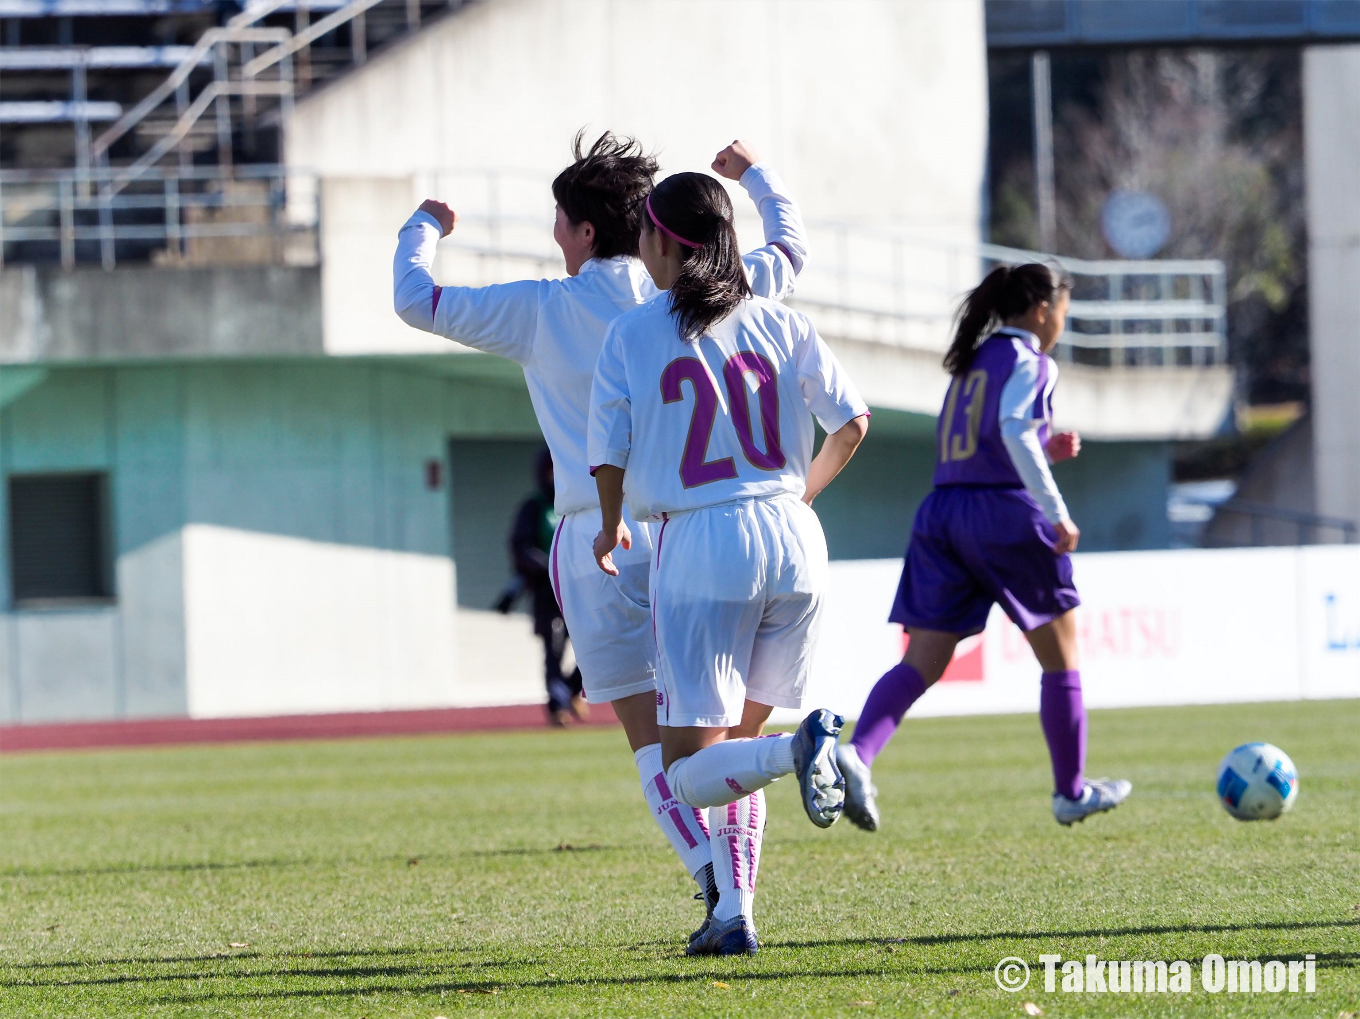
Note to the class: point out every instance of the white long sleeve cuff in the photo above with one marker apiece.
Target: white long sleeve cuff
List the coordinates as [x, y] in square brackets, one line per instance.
[779, 214]
[413, 287]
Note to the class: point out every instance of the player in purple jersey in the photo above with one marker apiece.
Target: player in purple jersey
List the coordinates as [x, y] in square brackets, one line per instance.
[995, 529]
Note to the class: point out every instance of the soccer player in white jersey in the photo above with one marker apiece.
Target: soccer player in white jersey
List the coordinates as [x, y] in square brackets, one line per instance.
[701, 416]
[554, 329]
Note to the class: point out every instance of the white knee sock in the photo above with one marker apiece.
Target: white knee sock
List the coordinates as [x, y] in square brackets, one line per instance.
[737, 831]
[682, 825]
[731, 770]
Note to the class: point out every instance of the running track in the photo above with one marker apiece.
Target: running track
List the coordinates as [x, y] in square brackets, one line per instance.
[163, 731]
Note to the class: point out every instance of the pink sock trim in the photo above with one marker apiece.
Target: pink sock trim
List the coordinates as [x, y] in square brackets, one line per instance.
[677, 818]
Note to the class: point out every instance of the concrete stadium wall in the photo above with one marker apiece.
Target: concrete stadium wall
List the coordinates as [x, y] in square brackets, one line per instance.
[53, 314]
[1331, 121]
[276, 546]
[839, 96]
[875, 112]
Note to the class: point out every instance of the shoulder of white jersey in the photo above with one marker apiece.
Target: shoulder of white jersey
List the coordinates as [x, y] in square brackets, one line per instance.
[623, 276]
[640, 317]
[770, 308]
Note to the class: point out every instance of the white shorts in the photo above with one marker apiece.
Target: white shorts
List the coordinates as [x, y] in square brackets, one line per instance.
[608, 618]
[737, 595]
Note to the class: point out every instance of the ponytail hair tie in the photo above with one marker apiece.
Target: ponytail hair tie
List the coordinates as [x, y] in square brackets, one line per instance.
[667, 230]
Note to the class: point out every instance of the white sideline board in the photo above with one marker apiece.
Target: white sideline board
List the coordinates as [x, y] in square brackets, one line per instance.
[1192, 626]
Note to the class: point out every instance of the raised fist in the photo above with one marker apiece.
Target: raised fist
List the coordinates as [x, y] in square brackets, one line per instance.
[448, 219]
[735, 160]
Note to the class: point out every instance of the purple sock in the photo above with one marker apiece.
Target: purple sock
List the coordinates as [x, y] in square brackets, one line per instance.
[888, 701]
[1064, 721]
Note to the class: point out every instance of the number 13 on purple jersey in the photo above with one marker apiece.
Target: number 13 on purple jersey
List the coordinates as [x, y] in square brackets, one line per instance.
[695, 470]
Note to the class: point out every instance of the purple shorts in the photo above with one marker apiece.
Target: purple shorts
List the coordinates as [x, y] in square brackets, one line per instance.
[973, 546]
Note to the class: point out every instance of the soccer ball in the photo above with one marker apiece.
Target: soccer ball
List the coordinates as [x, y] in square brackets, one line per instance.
[1257, 782]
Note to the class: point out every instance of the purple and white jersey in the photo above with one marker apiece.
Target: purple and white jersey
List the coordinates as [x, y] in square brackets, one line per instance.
[726, 418]
[997, 419]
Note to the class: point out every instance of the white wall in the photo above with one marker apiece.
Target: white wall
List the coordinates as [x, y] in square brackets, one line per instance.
[279, 625]
[1177, 627]
[1331, 119]
[875, 112]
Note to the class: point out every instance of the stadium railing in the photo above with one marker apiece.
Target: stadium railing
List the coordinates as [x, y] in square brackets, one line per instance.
[1308, 525]
[256, 72]
[868, 284]
[167, 215]
[894, 287]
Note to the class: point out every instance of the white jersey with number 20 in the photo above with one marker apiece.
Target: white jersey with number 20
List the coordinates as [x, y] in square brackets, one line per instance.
[718, 420]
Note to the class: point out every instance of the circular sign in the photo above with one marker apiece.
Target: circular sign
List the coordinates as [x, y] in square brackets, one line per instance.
[1135, 223]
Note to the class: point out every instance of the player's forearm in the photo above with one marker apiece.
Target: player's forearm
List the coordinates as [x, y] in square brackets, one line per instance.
[779, 215]
[609, 483]
[1031, 463]
[413, 288]
[835, 453]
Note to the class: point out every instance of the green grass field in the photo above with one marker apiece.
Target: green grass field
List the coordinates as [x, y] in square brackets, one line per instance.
[519, 875]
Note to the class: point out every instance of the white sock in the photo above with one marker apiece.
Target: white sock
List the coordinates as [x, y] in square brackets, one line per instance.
[682, 825]
[737, 831]
[731, 770]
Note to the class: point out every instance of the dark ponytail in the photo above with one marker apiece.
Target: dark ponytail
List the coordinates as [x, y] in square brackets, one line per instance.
[1006, 292]
[693, 210]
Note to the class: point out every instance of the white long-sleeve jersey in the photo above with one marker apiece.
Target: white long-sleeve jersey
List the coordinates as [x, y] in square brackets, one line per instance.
[740, 429]
[1031, 385]
[554, 328]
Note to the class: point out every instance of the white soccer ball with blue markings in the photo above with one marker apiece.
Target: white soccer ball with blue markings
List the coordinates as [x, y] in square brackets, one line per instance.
[1257, 782]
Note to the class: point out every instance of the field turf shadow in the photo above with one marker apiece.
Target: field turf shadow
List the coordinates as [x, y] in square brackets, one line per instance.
[1095, 932]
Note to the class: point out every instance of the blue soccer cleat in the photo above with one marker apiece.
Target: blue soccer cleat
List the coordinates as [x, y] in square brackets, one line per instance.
[725, 937]
[860, 792]
[710, 897]
[1100, 794]
[814, 762]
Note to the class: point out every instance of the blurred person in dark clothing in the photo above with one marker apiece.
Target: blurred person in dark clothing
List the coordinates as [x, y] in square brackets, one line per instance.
[531, 541]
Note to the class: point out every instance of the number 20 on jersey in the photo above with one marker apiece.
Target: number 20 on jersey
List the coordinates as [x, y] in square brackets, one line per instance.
[694, 469]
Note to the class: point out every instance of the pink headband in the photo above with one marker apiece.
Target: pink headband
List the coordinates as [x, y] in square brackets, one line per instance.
[667, 230]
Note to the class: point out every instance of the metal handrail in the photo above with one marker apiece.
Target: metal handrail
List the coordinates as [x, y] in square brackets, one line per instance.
[210, 39]
[306, 37]
[242, 34]
[210, 94]
[1306, 522]
[873, 285]
[159, 206]
[899, 287]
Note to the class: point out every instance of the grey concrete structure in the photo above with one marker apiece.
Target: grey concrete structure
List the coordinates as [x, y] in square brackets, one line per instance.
[84, 314]
[1331, 89]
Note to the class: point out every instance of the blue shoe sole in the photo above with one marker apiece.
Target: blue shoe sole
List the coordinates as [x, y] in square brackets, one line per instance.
[817, 739]
[738, 940]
